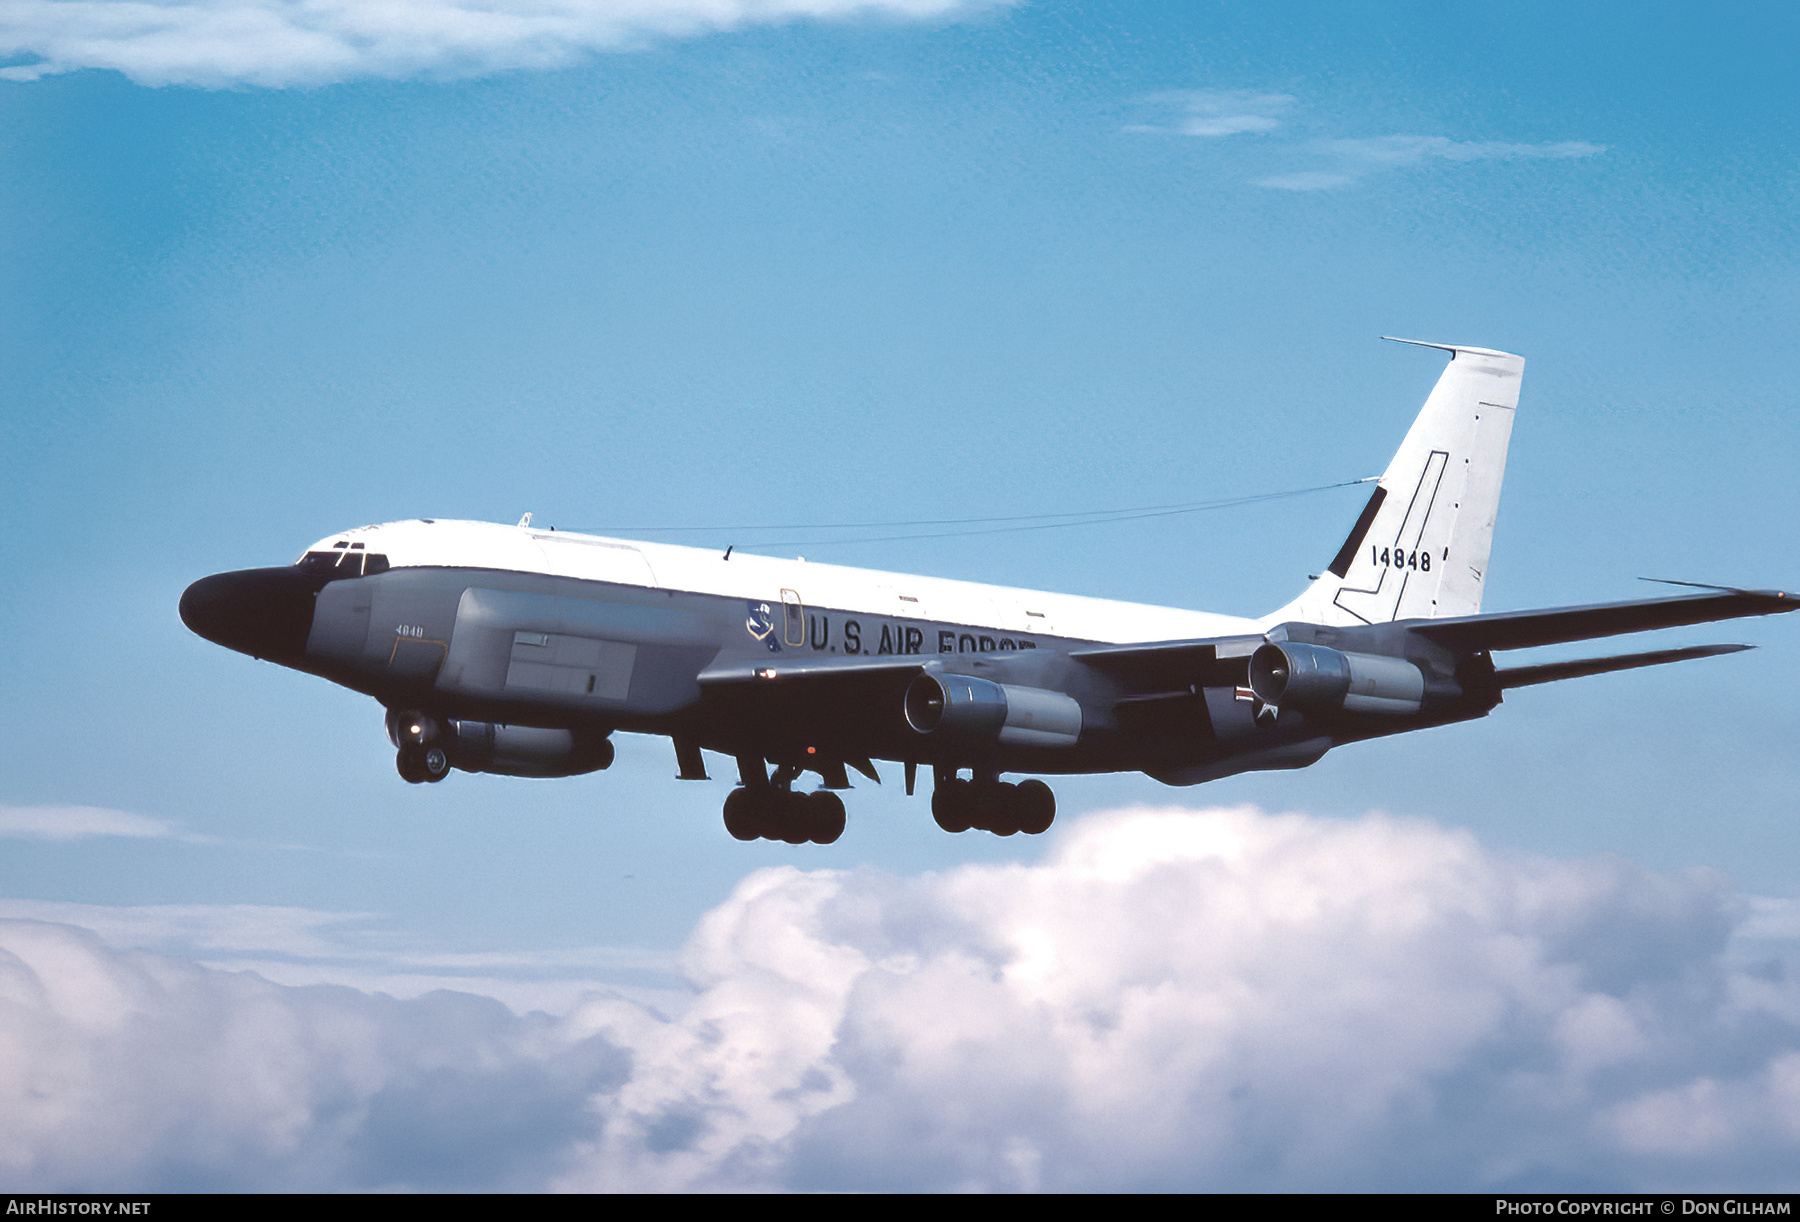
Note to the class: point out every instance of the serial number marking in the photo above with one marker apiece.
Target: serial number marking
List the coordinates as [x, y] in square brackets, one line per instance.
[1400, 558]
[415, 631]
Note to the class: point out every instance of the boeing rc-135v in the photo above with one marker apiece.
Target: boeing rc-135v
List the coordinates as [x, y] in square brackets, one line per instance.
[519, 651]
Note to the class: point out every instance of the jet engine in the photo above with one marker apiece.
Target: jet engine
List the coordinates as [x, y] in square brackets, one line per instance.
[979, 708]
[1288, 672]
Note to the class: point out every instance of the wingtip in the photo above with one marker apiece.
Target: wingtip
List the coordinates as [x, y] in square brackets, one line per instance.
[1776, 595]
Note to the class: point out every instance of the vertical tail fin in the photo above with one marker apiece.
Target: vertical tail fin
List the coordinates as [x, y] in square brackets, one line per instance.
[1420, 548]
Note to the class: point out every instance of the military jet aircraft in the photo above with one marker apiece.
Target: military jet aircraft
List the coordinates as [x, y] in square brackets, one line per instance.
[518, 651]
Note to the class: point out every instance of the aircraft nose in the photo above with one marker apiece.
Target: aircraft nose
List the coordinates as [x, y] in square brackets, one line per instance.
[266, 613]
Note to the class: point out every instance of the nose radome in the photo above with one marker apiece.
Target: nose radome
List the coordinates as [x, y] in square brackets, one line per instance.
[266, 613]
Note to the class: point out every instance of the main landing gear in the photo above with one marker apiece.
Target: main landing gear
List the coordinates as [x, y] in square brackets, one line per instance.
[993, 806]
[782, 814]
[767, 808]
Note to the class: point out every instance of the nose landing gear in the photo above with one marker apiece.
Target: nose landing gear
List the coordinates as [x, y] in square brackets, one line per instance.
[422, 756]
[419, 764]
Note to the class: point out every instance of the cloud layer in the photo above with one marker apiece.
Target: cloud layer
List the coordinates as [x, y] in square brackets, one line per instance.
[81, 822]
[1215, 113]
[307, 42]
[1172, 999]
[1354, 159]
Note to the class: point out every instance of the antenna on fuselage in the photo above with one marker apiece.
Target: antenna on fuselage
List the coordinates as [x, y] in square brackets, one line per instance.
[525, 521]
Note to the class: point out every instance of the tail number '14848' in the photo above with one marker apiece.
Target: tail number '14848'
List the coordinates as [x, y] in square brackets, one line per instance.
[1400, 558]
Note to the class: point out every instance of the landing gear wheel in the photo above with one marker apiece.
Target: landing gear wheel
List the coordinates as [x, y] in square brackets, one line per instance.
[825, 812]
[781, 814]
[743, 815]
[997, 804]
[1036, 807]
[410, 761]
[435, 763]
[950, 806]
[791, 818]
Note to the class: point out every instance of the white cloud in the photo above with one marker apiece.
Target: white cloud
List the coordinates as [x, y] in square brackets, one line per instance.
[196, 928]
[1230, 112]
[302, 946]
[80, 822]
[1357, 158]
[302, 42]
[1216, 112]
[1308, 180]
[1171, 999]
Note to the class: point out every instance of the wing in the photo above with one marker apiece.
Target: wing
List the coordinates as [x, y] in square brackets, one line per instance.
[1158, 665]
[758, 671]
[1469, 634]
[1549, 672]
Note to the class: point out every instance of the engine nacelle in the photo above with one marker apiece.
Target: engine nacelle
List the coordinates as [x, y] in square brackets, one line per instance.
[1312, 675]
[979, 708]
[482, 746]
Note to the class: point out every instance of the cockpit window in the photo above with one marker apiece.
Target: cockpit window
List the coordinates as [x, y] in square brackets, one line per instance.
[336, 565]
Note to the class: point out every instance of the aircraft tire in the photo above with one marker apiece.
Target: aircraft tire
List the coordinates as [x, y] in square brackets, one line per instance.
[792, 823]
[743, 815]
[434, 762]
[825, 812]
[410, 762]
[951, 807]
[1036, 805]
[1000, 809]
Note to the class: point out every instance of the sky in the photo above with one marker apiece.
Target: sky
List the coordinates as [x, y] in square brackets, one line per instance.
[684, 269]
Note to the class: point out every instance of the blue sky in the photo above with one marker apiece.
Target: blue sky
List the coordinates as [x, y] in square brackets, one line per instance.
[665, 265]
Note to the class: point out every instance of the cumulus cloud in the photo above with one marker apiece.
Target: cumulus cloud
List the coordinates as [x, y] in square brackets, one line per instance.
[302, 42]
[81, 822]
[1354, 159]
[1216, 112]
[1171, 999]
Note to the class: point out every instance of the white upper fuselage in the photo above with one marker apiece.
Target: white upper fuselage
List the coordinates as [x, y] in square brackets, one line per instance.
[485, 545]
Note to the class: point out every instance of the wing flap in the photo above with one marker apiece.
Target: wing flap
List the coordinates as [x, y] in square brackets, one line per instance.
[1165, 663]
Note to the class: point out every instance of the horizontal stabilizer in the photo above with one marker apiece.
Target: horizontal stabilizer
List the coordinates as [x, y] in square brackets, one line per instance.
[1550, 672]
[1528, 629]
